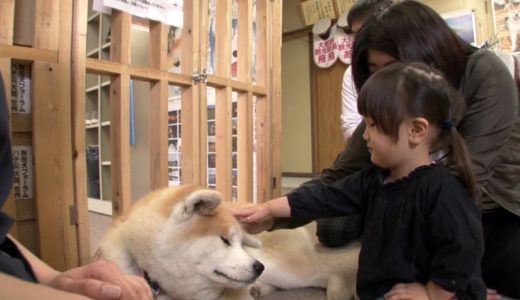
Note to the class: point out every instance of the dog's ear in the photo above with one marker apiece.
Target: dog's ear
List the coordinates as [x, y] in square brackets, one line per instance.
[251, 241]
[202, 202]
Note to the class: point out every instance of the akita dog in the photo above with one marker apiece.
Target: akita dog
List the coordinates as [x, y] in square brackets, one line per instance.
[188, 246]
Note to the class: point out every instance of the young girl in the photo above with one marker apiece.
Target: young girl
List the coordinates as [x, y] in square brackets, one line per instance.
[423, 237]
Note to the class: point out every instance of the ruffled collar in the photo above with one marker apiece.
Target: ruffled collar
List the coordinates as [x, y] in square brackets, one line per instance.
[416, 173]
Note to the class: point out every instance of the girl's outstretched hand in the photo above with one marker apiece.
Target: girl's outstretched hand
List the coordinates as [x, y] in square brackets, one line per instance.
[258, 218]
[254, 219]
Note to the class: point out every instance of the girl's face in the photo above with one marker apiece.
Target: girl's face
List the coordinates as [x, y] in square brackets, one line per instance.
[384, 152]
[379, 59]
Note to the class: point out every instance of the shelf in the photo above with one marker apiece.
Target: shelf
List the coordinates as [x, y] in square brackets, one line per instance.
[93, 17]
[100, 206]
[91, 89]
[93, 53]
[98, 96]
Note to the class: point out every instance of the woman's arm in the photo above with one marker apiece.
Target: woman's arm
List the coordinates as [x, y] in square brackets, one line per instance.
[99, 280]
[492, 107]
[13, 288]
[43, 272]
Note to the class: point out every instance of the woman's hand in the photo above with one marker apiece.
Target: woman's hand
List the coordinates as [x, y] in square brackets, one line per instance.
[102, 280]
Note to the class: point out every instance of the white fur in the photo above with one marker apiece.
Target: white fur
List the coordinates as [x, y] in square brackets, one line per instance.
[166, 235]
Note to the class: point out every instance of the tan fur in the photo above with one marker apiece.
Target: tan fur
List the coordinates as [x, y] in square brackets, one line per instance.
[194, 248]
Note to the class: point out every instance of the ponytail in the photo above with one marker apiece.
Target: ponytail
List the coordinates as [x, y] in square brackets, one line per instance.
[460, 157]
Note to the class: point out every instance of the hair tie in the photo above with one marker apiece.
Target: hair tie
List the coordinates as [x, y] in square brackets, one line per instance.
[447, 124]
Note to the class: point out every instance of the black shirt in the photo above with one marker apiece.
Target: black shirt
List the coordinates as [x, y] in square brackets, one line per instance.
[422, 227]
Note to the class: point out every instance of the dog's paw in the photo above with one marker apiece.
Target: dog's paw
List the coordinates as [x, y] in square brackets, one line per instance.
[254, 291]
[337, 288]
[260, 289]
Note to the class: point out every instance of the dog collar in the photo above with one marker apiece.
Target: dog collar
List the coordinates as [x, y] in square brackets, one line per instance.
[156, 289]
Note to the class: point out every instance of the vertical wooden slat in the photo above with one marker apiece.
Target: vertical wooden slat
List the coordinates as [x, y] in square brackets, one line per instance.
[51, 156]
[275, 93]
[47, 24]
[244, 105]
[120, 115]
[245, 39]
[6, 38]
[261, 42]
[120, 144]
[190, 53]
[262, 175]
[245, 147]
[158, 108]
[120, 37]
[78, 111]
[64, 11]
[223, 39]
[262, 58]
[203, 59]
[223, 98]
[52, 144]
[6, 22]
[223, 141]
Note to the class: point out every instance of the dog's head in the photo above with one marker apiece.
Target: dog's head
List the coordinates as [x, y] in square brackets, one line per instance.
[200, 241]
[513, 14]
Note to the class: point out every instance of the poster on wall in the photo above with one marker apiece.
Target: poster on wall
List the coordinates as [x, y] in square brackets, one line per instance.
[23, 172]
[21, 88]
[166, 11]
[506, 18]
[463, 23]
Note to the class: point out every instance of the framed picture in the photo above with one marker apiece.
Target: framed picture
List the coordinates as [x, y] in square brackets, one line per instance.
[463, 23]
[506, 18]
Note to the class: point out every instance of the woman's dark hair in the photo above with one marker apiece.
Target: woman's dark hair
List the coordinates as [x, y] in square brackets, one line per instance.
[362, 10]
[416, 90]
[410, 31]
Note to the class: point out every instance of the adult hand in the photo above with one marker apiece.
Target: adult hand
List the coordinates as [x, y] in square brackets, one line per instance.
[102, 280]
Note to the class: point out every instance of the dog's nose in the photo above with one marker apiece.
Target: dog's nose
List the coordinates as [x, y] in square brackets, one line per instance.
[258, 267]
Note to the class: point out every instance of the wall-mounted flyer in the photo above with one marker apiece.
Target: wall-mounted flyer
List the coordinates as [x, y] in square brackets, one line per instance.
[23, 172]
[21, 88]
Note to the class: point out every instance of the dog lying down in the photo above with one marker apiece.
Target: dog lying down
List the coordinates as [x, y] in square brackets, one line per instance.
[191, 247]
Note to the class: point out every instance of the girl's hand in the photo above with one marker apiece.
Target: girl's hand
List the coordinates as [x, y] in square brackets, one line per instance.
[254, 219]
[407, 291]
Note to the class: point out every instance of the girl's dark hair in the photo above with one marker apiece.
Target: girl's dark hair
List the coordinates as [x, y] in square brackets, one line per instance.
[410, 31]
[362, 10]
[413, 90]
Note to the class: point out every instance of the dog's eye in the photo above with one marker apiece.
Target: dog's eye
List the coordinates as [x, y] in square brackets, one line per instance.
[225, 240]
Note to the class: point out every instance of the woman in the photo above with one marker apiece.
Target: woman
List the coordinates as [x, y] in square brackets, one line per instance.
[487, 119]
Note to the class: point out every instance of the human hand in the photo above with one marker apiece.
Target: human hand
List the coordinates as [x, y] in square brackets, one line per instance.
[407, 291]
[254, 219]
[102, 280]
